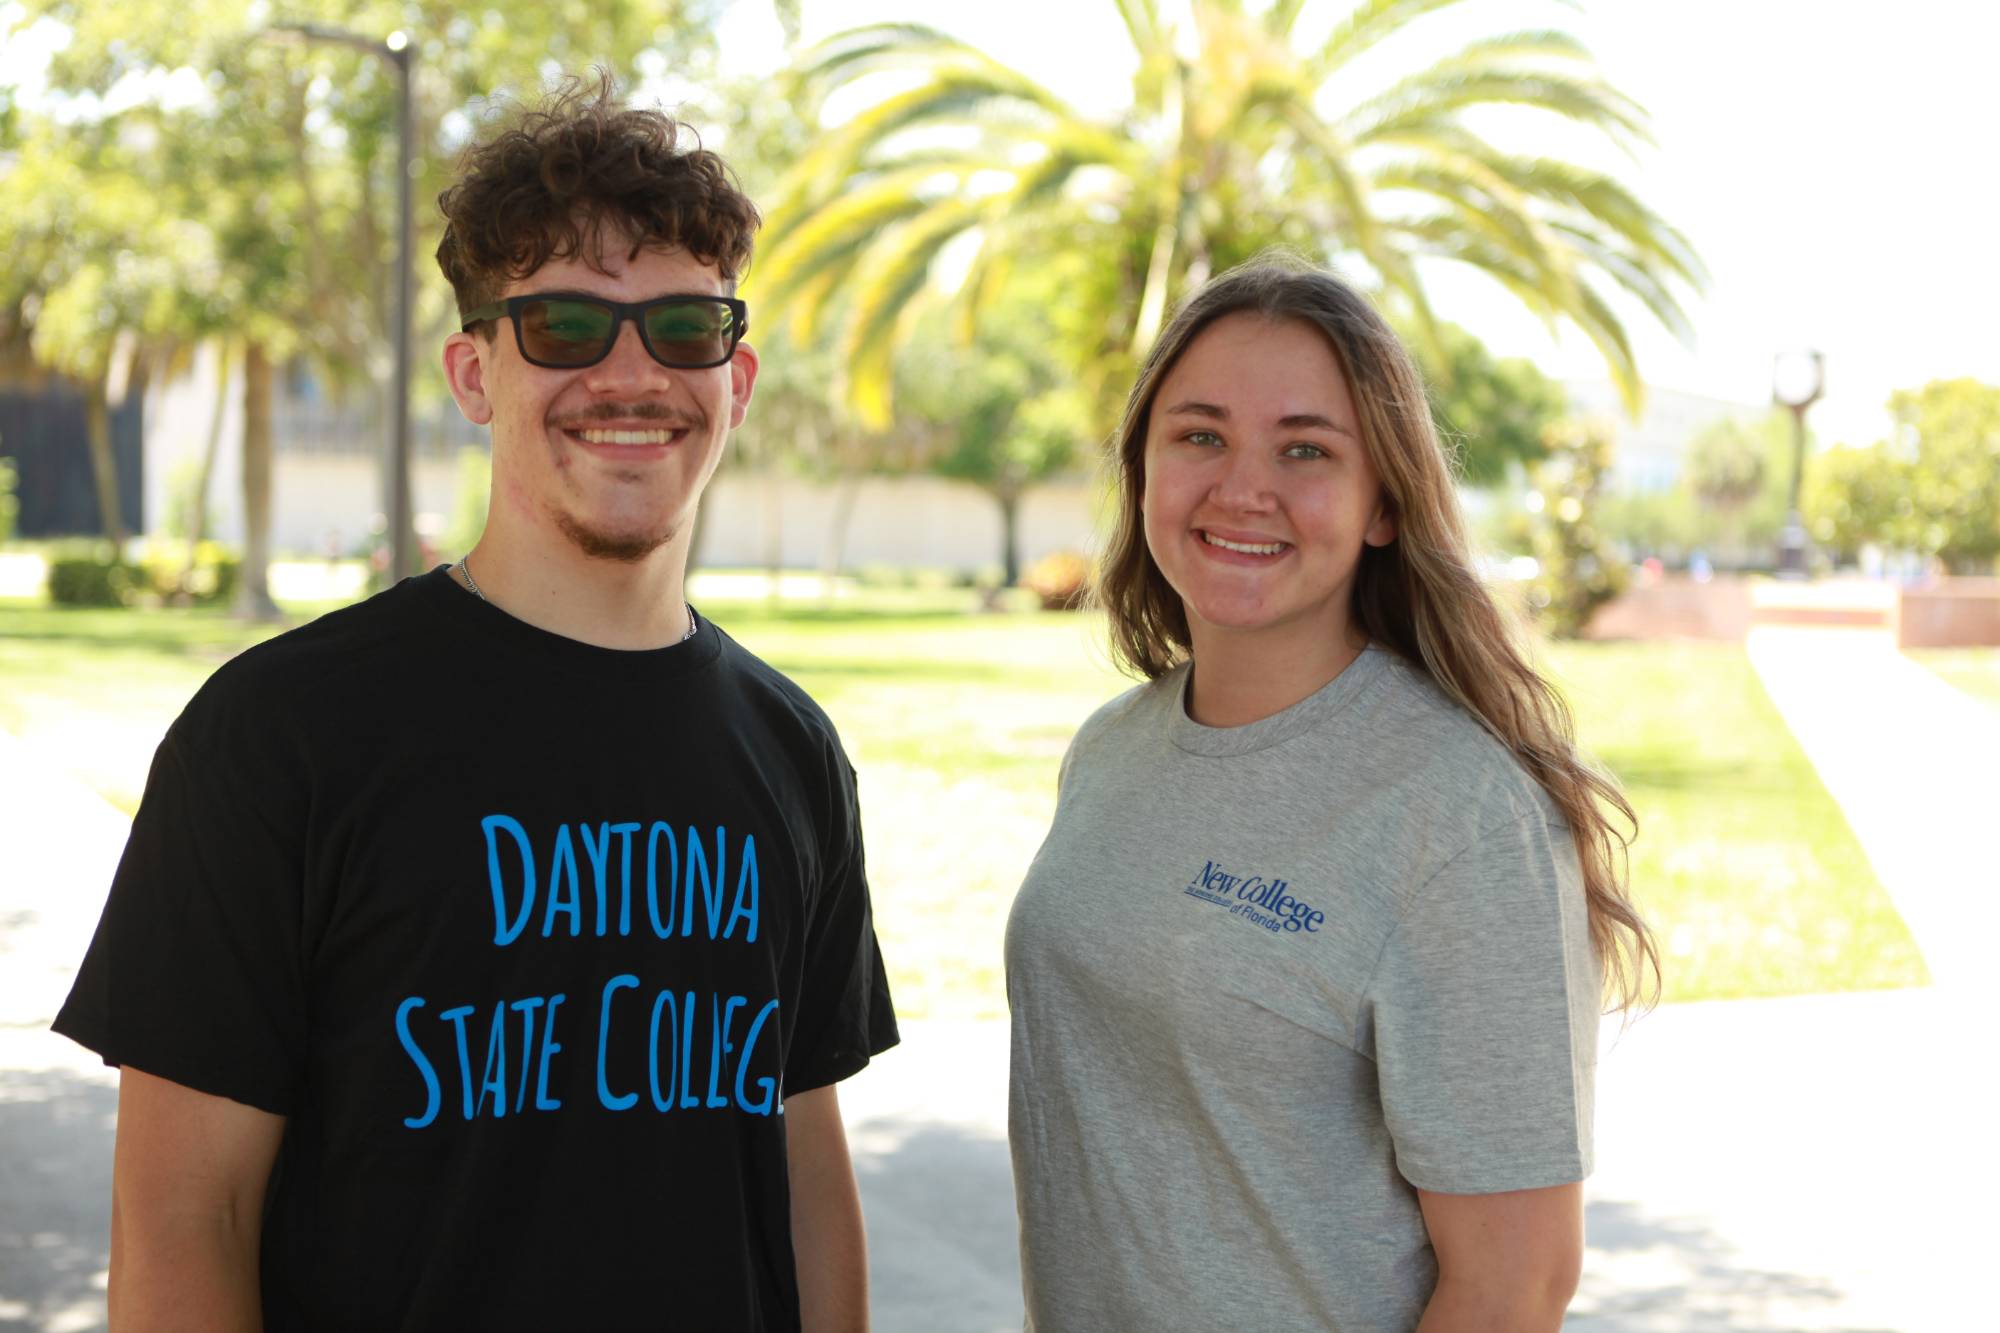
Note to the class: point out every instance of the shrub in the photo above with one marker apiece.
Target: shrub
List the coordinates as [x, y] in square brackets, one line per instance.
[1579, 569]
[95, 578]
[212, 578]
[10, 504]
[1060, 579]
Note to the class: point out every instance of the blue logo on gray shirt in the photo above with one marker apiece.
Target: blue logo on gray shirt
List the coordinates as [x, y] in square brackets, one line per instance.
[1268, 903]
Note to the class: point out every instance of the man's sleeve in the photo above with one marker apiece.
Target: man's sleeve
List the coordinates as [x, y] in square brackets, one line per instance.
[196, 971]
[1485, 1004]
[845, 1016]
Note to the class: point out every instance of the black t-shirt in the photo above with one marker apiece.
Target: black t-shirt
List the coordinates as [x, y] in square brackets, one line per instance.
[527, 939]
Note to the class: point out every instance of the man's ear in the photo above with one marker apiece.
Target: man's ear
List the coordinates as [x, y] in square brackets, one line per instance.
[742, 380]
[465, 365]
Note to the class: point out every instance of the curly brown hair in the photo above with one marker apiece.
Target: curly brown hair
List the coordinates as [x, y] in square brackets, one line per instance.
[548, 183]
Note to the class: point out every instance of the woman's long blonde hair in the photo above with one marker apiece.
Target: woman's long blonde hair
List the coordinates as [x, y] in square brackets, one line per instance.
[1419, 595]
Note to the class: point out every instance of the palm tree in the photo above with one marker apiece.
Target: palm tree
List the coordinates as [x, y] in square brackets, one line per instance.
[1234, 139]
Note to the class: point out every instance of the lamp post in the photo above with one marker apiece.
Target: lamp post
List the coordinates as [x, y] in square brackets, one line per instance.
[395, 49]
[1798, 378]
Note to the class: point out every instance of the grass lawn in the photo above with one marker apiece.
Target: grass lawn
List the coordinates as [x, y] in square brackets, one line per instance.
[956, 721]
[98, 688]
[1974, 670]
[1744, 864]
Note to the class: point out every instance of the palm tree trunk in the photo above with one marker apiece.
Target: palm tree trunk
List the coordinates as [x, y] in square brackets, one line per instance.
[205, 475]
[103, 462]
[1009, 500]
[774, 530]
[253, 592]
[833, 551]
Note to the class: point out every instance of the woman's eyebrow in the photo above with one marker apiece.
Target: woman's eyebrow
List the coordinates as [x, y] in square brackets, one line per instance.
[1313, 421]
[1296, 421]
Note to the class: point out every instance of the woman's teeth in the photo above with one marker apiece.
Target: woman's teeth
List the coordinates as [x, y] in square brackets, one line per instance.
[1247, 548]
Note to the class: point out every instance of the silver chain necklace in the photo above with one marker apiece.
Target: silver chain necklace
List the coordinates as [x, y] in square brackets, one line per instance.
[465, 568]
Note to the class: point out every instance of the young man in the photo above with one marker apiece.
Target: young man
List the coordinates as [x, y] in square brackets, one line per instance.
[485, 955]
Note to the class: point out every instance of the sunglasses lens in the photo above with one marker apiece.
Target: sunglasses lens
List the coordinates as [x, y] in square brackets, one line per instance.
[565, 332]
[690, 333]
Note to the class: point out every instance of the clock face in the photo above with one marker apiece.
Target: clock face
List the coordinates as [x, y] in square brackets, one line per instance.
[1795, 378]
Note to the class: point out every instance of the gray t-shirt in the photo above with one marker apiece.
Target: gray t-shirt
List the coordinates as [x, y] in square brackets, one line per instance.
[1267, 979]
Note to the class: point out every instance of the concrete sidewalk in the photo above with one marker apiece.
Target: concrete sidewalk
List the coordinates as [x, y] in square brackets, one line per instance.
[1915, 766]
[1819, 1163]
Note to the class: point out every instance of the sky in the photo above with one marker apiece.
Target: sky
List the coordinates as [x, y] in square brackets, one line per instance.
[1833, 164]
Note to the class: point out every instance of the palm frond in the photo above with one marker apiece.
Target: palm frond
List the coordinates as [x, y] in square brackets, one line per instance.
[1335, 156]
[1142, 22]
[1601, 325]
[1631, 273]
[887, 284]
[804, 247]
[1489, 206]
[1527, 42]
[1602, 199]
[954, 90]
[1365, 25]
[1438, 94]
[1281, 17]
[807, 308]
[872, 48]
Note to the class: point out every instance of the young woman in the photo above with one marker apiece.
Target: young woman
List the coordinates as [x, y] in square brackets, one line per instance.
[1306, 978]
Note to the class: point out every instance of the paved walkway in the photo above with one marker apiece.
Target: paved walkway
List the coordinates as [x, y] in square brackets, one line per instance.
[1818, 1163]
[1915, 765]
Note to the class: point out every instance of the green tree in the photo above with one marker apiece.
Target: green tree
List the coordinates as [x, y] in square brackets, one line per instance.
[106, 280]
[283, 157]
[1234, 139]
[1729, 500]
[1950, 431]
[1003, 415]
[1855, 497]
[1494, 410]
[1725, 465]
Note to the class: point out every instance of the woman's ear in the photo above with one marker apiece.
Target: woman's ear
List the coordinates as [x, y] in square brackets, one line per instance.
[1382, 530]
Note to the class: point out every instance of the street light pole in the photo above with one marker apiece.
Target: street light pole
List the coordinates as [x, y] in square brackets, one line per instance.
[397, 505]
[1798, 379]
[402, 540]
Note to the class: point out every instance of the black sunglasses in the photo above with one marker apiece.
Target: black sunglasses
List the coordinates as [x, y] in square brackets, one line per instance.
[566, 331]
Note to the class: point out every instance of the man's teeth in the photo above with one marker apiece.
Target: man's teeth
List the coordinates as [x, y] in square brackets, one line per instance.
[1248, 548]
[628, 436]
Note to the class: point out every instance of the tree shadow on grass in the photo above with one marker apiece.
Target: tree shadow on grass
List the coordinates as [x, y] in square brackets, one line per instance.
[955, 672]
[216, 639]
[56, 1131]
[1691, 772]
[1702, 1282]
[757, 614]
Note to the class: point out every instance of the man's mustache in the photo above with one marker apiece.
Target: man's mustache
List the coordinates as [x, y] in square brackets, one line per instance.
[676, 418]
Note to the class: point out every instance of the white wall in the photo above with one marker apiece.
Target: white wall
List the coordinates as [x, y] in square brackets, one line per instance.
[902, 521]
[327, 501]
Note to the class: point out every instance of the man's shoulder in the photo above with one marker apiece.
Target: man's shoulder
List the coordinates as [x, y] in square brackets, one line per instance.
[772, 697]
[330, 656]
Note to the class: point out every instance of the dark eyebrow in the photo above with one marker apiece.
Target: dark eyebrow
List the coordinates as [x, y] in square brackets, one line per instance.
[1297, 421]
